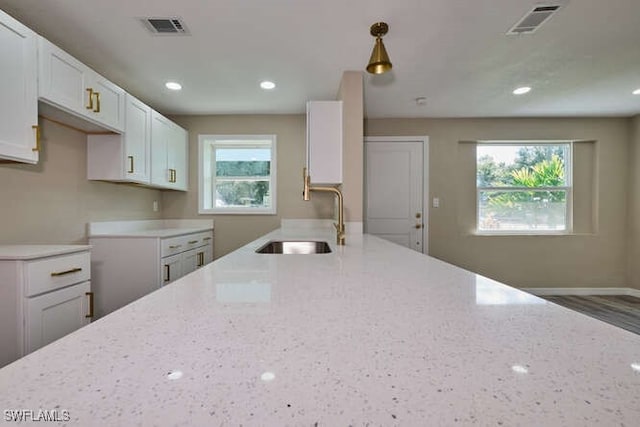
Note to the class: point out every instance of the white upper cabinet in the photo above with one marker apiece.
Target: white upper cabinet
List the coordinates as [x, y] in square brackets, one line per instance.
[169, 154]
[124, 157]
[68, 84]
[324, 141]
[18, 89]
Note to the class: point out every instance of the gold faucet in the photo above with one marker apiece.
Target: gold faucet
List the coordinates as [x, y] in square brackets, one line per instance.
[306, 195]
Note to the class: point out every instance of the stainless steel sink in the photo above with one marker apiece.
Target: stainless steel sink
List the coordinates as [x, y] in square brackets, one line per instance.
[294, 247]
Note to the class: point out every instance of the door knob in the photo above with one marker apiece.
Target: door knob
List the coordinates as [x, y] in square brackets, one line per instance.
[418, 215]
[418, 225]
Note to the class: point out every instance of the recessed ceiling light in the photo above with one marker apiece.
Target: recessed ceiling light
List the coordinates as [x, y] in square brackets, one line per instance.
[636, 92]
[267, 85]
[521, 90]
[173, 85]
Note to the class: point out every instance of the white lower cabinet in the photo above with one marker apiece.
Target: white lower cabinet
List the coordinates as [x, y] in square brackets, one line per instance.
[127, 267]
[43, 297]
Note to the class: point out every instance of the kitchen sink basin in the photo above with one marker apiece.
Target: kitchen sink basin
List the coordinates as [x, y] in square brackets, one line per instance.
[297, 247]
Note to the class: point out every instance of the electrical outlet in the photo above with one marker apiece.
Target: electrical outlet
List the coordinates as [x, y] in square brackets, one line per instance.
[436, 202]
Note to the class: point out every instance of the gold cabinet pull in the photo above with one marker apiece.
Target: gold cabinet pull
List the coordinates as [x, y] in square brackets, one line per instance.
[172, 175]
[90, 104]
[200, 259]
[206, 238]
[90, 295]
[130, 164]
[97, 109]
[38, 147]
[193, 242]
[62, 273]
[175, 246]
[167, 272]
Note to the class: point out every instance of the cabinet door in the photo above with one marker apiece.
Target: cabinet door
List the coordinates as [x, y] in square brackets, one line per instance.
[171, 269]
[178, 158]
[68, 84]
[137, 141]
[160, 129]
[63, 80]
[207, 254]
[324, 141]
[55, 314]
[108, 103]
[190, 261]
[18, 86]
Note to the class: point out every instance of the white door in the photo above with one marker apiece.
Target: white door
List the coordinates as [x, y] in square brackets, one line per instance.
[55, 314]
[109, 103]
[160, 130]
[18, 91]
[394, 188]
[138, 140]
[171, 268]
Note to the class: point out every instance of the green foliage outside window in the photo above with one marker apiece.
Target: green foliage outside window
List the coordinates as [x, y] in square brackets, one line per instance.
[242, 191]
[534, 167]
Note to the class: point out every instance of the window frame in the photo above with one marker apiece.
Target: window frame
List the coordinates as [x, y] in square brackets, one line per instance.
[207, 172]
[568, 188]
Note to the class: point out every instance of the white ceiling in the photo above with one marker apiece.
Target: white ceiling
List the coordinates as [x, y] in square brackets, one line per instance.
[584, 61]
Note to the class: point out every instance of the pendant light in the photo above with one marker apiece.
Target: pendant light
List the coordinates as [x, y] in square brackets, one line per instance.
[379, 62]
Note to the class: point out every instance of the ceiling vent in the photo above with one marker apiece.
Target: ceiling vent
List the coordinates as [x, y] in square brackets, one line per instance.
[165, 26]
[533, 19]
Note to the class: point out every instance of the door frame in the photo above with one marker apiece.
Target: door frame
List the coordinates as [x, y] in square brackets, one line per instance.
[425, 180]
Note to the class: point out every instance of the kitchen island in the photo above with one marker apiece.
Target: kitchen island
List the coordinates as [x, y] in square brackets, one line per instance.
[369, 334]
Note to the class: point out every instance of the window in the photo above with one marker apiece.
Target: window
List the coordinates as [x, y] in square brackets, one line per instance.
[237, 174]
[523, 187]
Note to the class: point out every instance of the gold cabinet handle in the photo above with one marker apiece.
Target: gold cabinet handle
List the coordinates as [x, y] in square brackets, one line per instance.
[130, 164]
[90, 295]
[90, 104]
[200, 259]
[175, 246]
[38, 147]
[192, 242]
[62, 273]
[172, 175]
[97, 109]
[167, 272]
[206, 238]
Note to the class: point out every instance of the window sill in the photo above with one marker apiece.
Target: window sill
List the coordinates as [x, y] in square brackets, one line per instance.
[237, 211]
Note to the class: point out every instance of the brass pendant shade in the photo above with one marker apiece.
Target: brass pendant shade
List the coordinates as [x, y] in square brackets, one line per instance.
[379, 62]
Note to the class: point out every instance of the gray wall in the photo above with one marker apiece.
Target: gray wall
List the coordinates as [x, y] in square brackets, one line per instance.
[51, 202]
[595, 256]
[634, 205]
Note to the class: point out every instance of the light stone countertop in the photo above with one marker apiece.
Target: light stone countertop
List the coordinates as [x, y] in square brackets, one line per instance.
[371, 334]
[26, 252]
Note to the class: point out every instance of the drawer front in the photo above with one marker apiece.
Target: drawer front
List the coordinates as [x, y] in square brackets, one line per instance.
[173, 246]
[48, 274]
[179, 244]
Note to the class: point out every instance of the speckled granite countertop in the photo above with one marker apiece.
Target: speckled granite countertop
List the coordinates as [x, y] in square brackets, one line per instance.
[371, 334]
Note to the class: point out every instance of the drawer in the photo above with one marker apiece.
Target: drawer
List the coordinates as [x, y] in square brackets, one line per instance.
[178, 244]
[48, 274]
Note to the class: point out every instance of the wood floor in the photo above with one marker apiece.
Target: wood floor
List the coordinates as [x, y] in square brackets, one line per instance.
[619, 310]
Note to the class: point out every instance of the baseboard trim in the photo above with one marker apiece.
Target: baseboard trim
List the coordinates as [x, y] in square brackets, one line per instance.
[582, 291]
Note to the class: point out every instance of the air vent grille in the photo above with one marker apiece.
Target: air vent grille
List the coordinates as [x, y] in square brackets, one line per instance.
[533, 19]
[165, 26]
